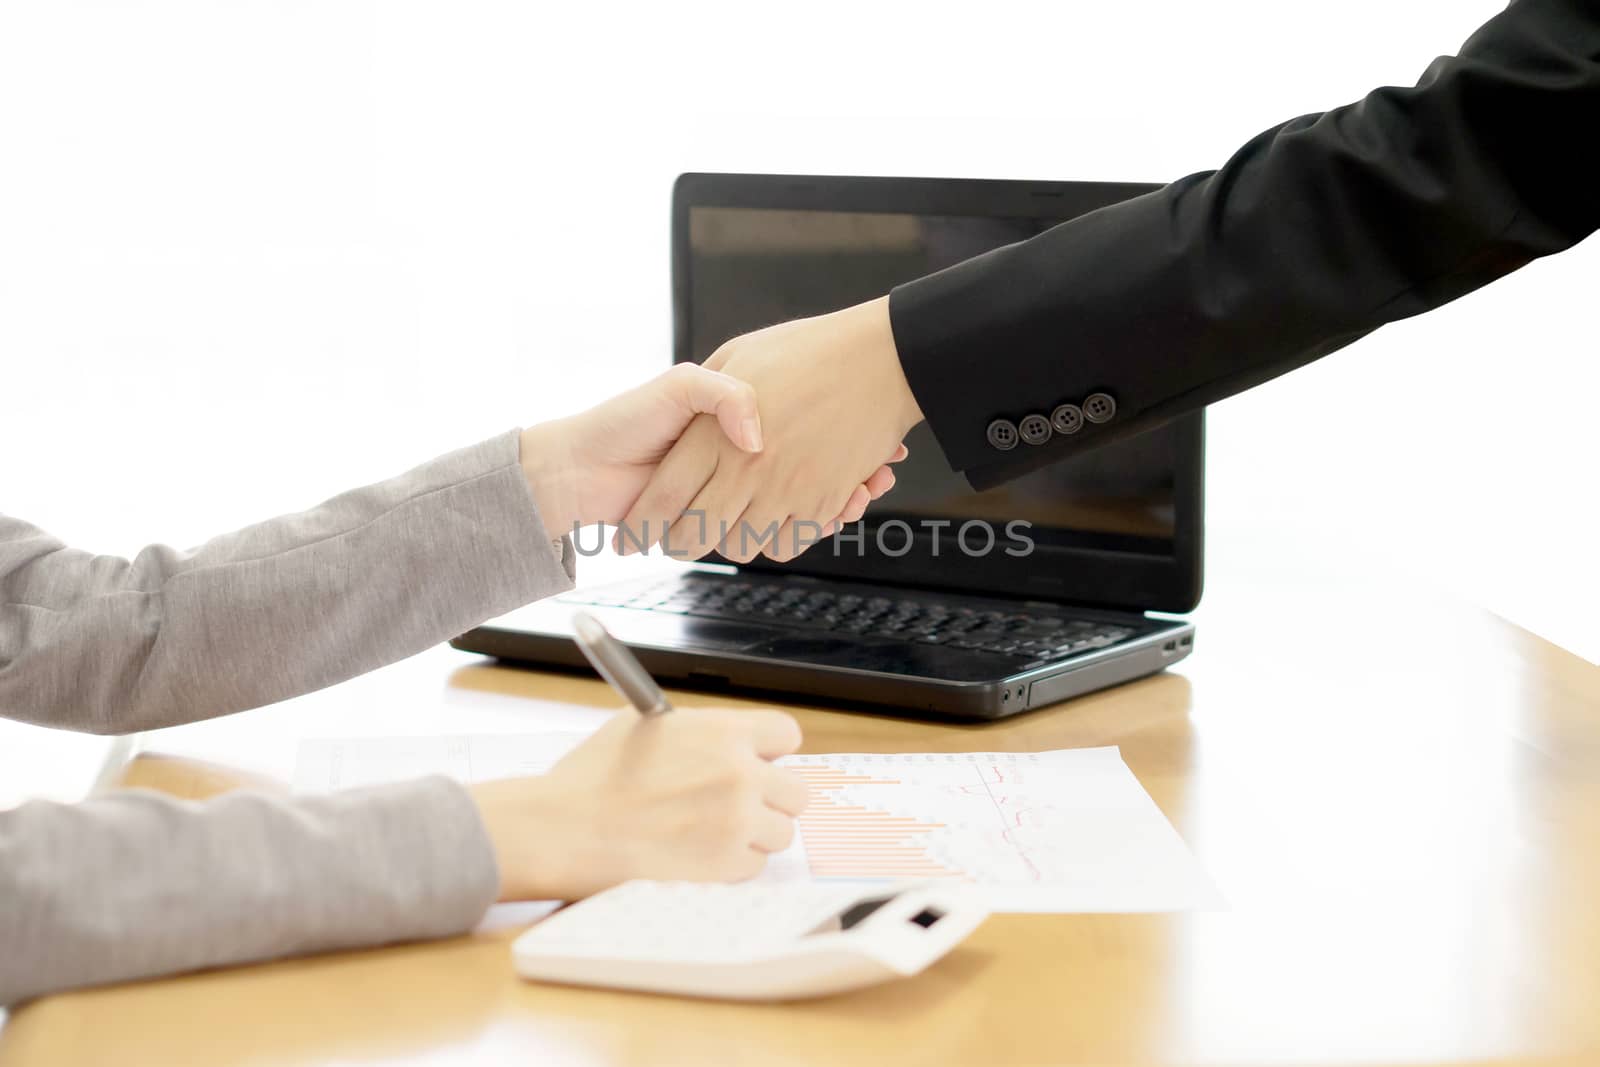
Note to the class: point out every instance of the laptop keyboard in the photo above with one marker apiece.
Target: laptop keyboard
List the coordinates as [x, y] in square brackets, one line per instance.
[920, 621]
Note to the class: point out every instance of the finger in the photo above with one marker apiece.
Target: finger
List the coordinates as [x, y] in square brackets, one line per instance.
[757, 535]
[785, 791]
[794, 538]
[680, 476]
[753, 533]
[773, 733]
[900, 453]
[710, 517]
[773, 831]
[718, 359]
[700, 391]
[785, 545]
[855, 507]
[881, 482]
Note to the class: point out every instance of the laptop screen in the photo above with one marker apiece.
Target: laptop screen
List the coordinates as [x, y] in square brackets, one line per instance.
[749, 266]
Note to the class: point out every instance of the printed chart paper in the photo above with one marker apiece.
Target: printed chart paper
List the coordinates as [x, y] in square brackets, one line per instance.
[1070, 830]
[1065, 831]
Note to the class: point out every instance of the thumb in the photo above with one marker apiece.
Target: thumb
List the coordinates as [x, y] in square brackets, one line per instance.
[709, 392]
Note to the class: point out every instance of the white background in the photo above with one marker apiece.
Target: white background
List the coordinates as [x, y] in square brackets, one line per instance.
[254, 253]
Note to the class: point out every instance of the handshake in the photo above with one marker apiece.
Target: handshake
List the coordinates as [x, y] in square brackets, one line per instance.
[783, 436]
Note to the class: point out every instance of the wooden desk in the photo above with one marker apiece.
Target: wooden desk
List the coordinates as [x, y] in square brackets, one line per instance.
[1400, 800]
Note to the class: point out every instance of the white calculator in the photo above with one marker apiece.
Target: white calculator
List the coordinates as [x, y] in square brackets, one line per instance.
[749, 941]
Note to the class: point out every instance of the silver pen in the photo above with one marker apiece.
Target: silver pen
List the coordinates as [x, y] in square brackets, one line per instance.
[618, 666]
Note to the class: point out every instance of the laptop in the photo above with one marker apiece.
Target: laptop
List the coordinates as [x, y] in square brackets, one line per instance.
[943, 602]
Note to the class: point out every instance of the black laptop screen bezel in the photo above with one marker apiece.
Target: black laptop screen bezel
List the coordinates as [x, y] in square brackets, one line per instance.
[1122, 580]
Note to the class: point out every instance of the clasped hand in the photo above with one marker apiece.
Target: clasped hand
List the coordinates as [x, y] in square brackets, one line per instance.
[780, 438]
[834, 406]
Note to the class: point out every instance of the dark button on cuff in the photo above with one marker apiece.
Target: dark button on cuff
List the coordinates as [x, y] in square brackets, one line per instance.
[1035, 429]
[1003, 434]
[1099, 407]
[1068, 418]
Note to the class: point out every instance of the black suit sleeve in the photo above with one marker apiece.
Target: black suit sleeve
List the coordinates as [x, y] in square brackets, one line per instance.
[1313, 234]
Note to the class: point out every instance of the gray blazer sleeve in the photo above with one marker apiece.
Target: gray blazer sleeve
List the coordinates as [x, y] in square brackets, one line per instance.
[137, 884]
[272, 611]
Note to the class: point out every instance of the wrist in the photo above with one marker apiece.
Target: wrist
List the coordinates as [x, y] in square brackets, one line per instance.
[876, 340]
[519, 817]
[547, 465]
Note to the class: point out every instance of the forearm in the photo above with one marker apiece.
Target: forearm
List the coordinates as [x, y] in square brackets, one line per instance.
[1313, 234]
[136, 884]
[275, 610]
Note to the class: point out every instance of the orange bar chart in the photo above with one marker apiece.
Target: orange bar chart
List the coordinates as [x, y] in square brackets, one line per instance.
[844, 840]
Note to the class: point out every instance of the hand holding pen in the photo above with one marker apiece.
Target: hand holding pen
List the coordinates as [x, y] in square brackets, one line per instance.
[696, 795]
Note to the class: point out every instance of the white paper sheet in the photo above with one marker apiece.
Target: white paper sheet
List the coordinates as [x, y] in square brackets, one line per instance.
[326, 764]
[1065, 831]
